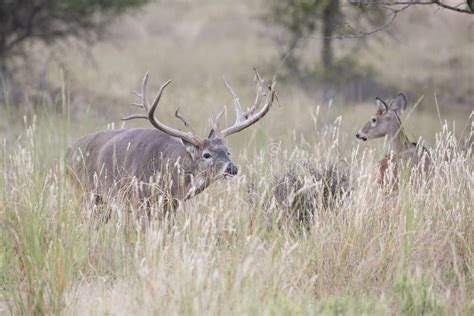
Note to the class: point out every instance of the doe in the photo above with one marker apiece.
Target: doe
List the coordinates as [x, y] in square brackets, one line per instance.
[387, 122]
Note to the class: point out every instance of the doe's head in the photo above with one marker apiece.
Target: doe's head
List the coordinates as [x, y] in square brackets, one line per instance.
[386, 121]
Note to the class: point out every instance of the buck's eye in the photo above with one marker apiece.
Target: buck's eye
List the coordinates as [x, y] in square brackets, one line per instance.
[374, 120]
[207, 155]
[228, 153]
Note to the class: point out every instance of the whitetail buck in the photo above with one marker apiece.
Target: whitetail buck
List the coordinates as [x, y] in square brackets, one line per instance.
[387, 122]
[162, 162]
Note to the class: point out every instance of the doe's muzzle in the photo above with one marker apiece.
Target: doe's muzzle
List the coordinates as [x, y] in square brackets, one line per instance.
[231, 169]
[360, 136]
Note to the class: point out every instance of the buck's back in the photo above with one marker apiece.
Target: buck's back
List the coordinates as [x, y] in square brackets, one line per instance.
[110, 158]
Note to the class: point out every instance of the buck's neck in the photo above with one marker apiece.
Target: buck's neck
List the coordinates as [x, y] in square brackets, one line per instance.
[399, 140]
[196, 183]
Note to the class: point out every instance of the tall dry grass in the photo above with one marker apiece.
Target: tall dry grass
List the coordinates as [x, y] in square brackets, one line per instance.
[234, 250]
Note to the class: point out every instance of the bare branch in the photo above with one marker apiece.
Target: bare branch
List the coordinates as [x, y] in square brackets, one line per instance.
[395, 7]
[440, 3]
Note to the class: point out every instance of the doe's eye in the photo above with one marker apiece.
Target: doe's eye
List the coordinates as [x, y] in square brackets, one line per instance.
[207, 155]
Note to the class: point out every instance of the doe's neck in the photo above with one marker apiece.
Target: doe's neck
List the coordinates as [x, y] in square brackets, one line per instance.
[399, 141]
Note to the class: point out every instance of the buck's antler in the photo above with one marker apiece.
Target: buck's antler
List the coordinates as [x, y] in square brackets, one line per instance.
[190, 137]
[253, 114]
[215, 122]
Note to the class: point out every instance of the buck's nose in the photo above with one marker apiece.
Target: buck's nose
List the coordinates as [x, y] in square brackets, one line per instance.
[232, 169]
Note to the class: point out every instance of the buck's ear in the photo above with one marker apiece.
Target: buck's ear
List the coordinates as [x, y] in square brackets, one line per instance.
[381, 105]
[399, 104]
[192, 149]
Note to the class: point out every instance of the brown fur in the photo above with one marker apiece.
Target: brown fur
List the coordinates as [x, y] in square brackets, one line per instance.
[386, 122]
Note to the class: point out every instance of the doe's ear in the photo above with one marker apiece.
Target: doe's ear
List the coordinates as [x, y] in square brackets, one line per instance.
[192, 149]
[212, 134]
[381, 105]
[399, 104]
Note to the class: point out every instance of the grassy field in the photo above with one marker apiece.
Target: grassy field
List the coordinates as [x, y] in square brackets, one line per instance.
[233, 249]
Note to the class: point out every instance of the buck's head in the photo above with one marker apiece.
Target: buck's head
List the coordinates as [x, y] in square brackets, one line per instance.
[210, 156]
[386, 121]
[211, 159]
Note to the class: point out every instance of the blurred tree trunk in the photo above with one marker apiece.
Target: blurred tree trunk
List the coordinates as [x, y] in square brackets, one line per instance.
[3, 64]
[291, 61]
[3, 74]
[301, 19]
[331, 15]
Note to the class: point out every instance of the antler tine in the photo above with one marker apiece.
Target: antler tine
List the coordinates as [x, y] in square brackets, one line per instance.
[184, 120]
[259, 94]
[219, 115]
[215, 122]
[142, 95]
[138, 94]
[146, 103]
[150, 115]
[236, 102]
[151, 110]
[136, 104]
[276, 95]
[253, 118]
